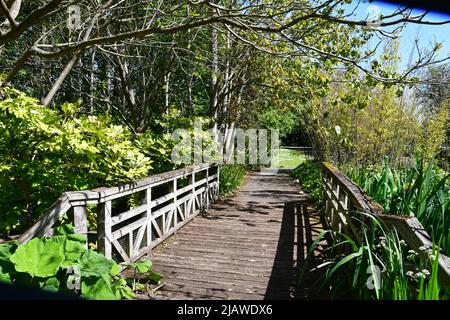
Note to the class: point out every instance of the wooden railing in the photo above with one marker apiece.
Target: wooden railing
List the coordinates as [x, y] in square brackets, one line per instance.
[343, 200]
[160, 205]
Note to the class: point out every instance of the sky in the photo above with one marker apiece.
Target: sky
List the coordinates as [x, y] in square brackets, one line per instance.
[427, 34]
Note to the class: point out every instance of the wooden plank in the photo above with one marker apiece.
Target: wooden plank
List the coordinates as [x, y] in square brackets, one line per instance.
[104, 232]
[129, 228]
[80, 221]
[48, 219]
[105, 195]
[128, 214]
[142, 184]
[148, 200]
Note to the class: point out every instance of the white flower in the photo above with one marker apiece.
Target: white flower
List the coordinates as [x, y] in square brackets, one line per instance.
[403, 243]
[410, 274]
[426, 272]
[432, 257]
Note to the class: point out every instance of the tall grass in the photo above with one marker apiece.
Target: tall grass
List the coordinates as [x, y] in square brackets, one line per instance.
[382, 267]
[231, 178]
[422, 191]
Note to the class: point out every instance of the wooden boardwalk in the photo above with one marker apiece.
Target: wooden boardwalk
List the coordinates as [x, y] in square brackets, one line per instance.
[245, 247]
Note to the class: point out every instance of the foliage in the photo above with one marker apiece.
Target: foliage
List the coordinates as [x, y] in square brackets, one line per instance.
[142, 269]
[231, 178]
[46, 152]
[421, 191]
[309, 176]
[382, 267]
[290, 158]
[63, 264]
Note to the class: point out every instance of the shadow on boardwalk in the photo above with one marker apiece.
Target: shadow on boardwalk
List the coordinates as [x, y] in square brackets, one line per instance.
[246, 247]
[298, 231]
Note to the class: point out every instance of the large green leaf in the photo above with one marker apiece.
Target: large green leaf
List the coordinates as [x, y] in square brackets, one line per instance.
[92, 263]
[39, 257]
[98, 289]
[73, 250]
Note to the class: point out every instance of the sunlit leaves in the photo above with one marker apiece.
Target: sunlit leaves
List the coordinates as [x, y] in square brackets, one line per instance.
[48, 152]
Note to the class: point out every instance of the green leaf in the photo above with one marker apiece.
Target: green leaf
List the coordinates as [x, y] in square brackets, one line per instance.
[78, 238]
[143, 266]
[4, 274]
[98, 289]
[73, 251]
[154, 277]
[51, 284]
[94, 264]
[65, 229]
[7, 249]
[39, 257]
[115, 270]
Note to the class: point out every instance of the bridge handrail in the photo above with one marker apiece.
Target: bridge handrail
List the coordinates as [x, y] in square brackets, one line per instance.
[144, 226]
[342, 198]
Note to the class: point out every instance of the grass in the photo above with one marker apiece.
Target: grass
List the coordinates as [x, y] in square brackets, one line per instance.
[382, 267]
[289, 158]
[231, 177]
[421, 191]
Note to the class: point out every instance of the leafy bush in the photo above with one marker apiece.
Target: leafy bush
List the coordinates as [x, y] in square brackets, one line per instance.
[309, 175]
[231, 178]
[46, 152]
[63, 264]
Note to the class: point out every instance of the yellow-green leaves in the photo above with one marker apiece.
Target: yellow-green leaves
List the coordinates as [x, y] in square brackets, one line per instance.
[46, 152]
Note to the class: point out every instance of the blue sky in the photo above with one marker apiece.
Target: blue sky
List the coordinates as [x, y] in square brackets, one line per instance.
[427, 34]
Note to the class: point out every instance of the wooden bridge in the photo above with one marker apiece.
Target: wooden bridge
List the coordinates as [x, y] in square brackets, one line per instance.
[249, 246]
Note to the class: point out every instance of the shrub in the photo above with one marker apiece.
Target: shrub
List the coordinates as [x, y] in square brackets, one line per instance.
[309, 175]
[231, 178]
[45, 152]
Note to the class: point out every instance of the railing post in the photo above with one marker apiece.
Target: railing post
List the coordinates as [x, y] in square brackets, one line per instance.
[148, 201]
[80, 221]
[175, 205]
[193, 193]
[104, 235]
[218, 183]
[207, 190]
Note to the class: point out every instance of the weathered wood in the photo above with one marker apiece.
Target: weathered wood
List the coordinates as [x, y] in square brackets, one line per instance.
[80, 221]
[165, 214]
[243, 247]
[46, 222]
[104, 232]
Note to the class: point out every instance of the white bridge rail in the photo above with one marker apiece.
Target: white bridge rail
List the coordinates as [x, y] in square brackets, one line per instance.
[133, 218]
